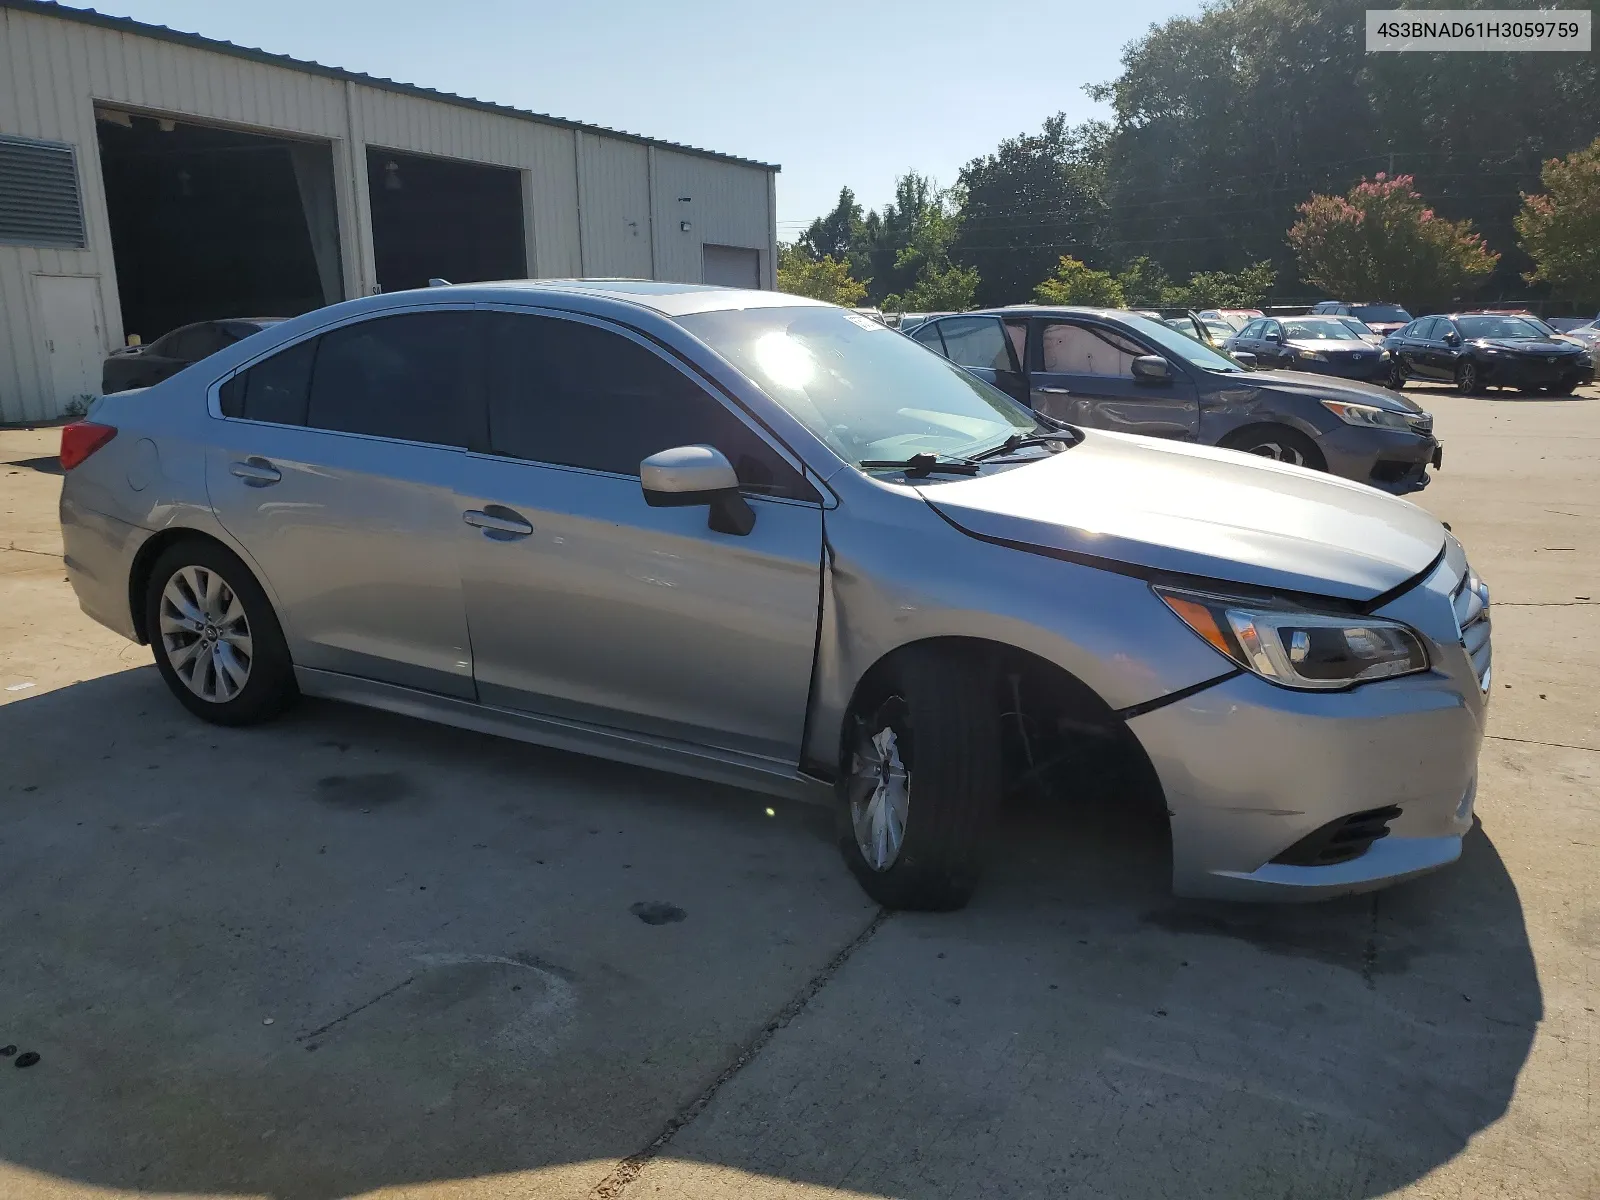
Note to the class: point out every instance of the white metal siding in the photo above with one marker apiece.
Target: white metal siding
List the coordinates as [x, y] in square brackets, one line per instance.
[54, 70]
[614, 195]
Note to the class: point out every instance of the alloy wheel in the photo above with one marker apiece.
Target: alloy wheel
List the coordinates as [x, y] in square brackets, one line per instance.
[1467, 378]
[205, 634]
[880, 796]
[1278, 452]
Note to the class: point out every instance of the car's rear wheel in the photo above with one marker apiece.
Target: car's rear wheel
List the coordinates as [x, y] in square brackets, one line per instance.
[1279, 443]
[921, 779]
[1468, 381]
[216, 639]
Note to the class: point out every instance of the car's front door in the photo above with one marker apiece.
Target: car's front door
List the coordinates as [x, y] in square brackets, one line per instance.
[1081, 372]
[1274, 346]
[336, 469]
[981, 346]
[587, 604]
[1430, 355]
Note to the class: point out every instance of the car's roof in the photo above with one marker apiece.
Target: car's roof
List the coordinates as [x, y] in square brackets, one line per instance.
[1047, 310]
[665, 297]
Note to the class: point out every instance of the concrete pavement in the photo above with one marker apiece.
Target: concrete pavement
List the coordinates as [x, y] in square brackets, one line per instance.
[437, 927]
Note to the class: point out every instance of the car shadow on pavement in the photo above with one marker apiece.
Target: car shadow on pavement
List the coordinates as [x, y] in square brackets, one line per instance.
[349, 950]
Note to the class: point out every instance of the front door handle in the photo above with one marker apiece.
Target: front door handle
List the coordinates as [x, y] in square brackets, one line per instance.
[1053, 391]
[256, 472]
[497, 522]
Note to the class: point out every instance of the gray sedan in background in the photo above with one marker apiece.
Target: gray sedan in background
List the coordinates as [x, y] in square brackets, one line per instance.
[1119, 370]
[767, 541]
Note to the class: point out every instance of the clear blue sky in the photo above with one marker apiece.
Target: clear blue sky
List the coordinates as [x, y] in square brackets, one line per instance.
[838, 93]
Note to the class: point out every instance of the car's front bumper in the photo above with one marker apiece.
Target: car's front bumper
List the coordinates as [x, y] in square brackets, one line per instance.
[1372, 365]
[1536, 370]
[1250, 769]
[1393, 460]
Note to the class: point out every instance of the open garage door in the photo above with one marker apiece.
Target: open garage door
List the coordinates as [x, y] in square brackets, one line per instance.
[441, 218]
[209, 223]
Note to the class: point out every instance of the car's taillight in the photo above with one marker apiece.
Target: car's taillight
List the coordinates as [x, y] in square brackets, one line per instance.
[81, 439]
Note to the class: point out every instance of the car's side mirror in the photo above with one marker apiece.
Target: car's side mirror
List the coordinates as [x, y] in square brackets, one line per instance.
[1452, 338]
[1245, 359]
[1272, 336]
[1151, 368]
[689, 476]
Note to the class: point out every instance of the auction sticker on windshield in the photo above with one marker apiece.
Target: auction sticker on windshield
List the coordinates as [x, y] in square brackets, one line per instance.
[864, 322]
[1524, 29]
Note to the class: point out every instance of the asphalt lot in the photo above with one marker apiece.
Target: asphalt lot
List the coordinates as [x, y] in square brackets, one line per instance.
[352, 953]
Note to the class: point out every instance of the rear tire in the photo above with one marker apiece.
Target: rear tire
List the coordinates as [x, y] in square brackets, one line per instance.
[217, 641]
[1396, 379]
[1279, 443]
[923, 753]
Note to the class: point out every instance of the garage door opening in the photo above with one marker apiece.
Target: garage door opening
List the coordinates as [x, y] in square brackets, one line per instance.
[211, 223]
[439, 218]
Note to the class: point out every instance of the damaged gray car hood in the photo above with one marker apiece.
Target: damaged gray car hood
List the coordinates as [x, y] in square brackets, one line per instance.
[1197, 510]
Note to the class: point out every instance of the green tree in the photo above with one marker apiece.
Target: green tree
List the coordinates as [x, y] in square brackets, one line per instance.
[824, 278]
[1145, 285]
[1246, 288]
[1036, 198]
[838, 234]
[937, 289]
[1072, 282]
[1382, 242]
[1224, 120]
[1560, 227]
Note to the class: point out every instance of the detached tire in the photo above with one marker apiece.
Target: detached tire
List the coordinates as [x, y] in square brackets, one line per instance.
[217, 641]
[921, 779]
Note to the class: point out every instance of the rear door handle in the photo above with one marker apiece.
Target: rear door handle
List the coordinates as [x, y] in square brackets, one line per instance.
[256, 472]
[1053, 391]
[500, 524]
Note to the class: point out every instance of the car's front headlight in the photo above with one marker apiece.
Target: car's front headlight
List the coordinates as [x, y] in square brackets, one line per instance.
[1369, 415]
[1311, 651]
[1314, 355]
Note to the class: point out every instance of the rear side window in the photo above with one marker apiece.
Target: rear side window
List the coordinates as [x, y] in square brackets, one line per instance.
[1085, 350]
[976, 342]
[274, 390]
[409, 377]
[571, 394]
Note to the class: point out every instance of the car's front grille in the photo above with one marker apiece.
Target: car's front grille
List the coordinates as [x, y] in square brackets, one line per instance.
[1471, 603]
[1341, 840]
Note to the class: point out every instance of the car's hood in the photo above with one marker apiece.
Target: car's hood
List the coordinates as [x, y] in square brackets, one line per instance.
[1323, 387]
[1198, 510]
[1527, 345]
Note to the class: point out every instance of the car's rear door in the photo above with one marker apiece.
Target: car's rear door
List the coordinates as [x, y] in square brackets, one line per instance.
[587, 604]
[981, 345]
[1081, 372]
[335, 466]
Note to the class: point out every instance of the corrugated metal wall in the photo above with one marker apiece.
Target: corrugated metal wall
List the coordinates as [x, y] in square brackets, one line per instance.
[593, 205]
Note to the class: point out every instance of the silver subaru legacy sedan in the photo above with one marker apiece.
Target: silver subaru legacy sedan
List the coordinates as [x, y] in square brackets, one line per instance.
[767, 541]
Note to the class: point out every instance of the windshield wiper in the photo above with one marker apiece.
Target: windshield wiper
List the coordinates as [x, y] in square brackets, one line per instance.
[1018, 441]
[920, 465]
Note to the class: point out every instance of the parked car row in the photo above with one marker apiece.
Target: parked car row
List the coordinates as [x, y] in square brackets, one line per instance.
[772, 542]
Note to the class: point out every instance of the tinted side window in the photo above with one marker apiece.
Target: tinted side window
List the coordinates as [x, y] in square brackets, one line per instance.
[1428, 330]
[928, 334]
[976, 342]
[569, 393]
[274, 390]
[410, 376]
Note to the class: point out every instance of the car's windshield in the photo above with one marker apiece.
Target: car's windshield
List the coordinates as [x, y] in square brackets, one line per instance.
[1387, 313]
[1356, 326]
[1189, 349]
[1498, 327]
[865, 390]
[1319, 329]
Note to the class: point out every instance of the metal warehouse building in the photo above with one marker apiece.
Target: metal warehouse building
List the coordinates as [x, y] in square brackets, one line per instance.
[150, 178]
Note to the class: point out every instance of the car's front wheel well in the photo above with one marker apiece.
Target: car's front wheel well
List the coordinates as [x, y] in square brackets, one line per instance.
[1052, 723]
[145, 559]
[1251, 438]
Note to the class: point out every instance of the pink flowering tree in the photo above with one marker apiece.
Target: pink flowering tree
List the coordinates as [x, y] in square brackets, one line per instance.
[1560, 227]
[1380, 241]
